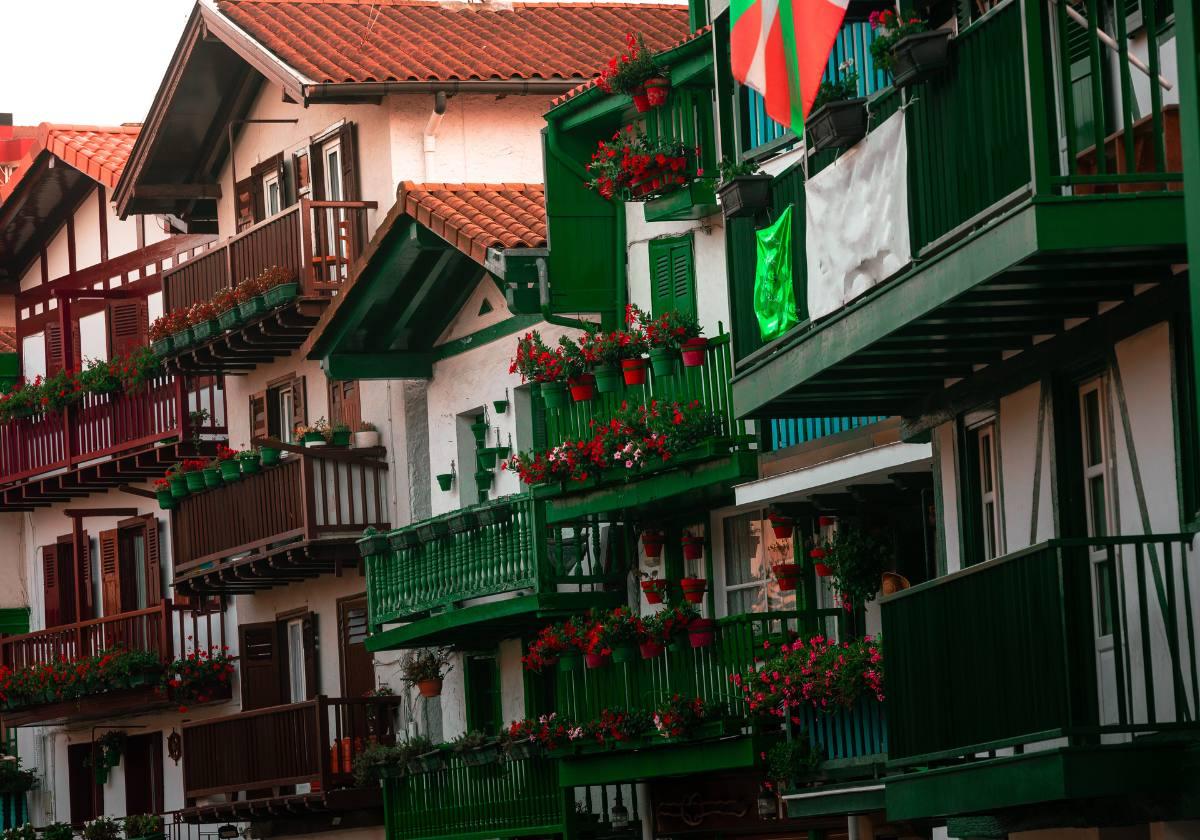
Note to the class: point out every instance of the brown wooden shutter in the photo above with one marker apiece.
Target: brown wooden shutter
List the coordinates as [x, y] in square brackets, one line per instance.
[345, 405]
[246, 198]
[299, 402]
[128, 325]
[349, 157]
[309, 631]
[357, 663]
[51, 586]
[316, 172]
[85, 574]
[110, 571]
[261, 660]
[54, 348]
[258, 416]
[301, 181]
[153, 562]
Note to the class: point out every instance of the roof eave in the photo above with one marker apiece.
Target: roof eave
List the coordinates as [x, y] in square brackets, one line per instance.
[342, 91]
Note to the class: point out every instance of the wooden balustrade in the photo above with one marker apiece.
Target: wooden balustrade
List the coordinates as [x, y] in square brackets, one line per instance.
[316, 241]
[305, 497]
[266, 752]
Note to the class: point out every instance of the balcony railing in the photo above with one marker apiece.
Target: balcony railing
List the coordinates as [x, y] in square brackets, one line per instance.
[265, 753]
[1090, 640]
[502, 546]
[102, 425]
[316, 241]
[307, 498]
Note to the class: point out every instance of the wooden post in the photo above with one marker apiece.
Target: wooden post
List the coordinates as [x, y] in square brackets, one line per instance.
[306, 247]
[1038, 79]
[320, 708]
[77, 548]
[183, 416]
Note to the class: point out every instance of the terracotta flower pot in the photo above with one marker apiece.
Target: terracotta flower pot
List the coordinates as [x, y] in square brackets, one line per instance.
[641, 100]
[694, 350]
[787, 574]
[596, 660]
[694, 589]
[702, 632]
[782, 529]
[654, 589]
[657, 88]
[826, 521]
[693, 548]
[583, 387]
[634, 371]
[429, 688]
[652, 542]
[650, 650]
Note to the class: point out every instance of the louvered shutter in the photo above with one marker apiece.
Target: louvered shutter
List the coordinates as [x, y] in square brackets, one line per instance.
[245, 192]
[154, 585]
[110, 572]
[54, 348]
[85, 574]
[316, 172]
[258, 416]
[128, 324]
[261, 673]
[301, 180]
[51, 586]
[344, 403]
[672, 275]
[358, 664]
[347, 136]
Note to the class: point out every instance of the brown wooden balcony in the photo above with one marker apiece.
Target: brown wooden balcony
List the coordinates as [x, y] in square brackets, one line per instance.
[314, 241]
[292, 521]
[284, 760]
[138, 434]
[167, 630]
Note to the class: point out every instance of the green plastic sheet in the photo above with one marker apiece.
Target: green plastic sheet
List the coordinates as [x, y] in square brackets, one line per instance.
[774, 297]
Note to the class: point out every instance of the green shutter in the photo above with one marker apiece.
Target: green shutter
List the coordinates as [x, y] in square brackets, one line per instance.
[482, 688]
[672, 275]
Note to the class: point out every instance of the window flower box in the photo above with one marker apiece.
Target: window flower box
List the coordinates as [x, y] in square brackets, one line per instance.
[920, 56]
[744, 195]
[837, 125]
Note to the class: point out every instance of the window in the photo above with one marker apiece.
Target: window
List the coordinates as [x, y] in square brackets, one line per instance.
[345, 405]
[980, 497]
[750, 551]
[33, 355]
[332, 154]
[989, 496]
[130, 566]
[1096, 464]
[279, 660]
[672, 275]
[275, 412]
[272, 188]
[482, 680]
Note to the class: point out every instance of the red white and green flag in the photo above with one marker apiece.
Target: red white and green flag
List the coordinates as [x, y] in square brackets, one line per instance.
[780, 48]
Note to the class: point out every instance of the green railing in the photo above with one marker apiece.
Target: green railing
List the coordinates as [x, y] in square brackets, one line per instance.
[13, 812]
[708, 383]
[487, 549]
[1077, 638]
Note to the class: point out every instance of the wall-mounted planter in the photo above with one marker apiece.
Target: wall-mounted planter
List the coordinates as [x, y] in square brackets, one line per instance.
[554, 394]
[479, 430]
[744, 195]
[837, 125]
[430, 531]
[494, 514]
[281, 294]
[404, 539]
[918, 57]
[204, 331]
[583, 387]
[464, 520]
[372, 544]
[693, 547]
[181, 339]
[662, 361]
[787, 574]
[693, 351]
[694, 589]
[230, 319]
[252, 308]
[162, 347]
[657, 88]
[485, 459]
[608, 378]
[693, 200]
[483, 479]
[634, 371]
[501, 406]
[445, 481]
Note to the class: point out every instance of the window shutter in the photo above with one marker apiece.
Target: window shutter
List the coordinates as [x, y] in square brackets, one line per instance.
[85, 574]
[262, 676]
[683, 277]
[153, 562]
[54, 348]
[309, 631]
[672, 275]
[110, 571]
[51, 586]
[299, 402]
[258, 416]
[541, 437]
[316, 172]
[358, 665]
[301, 181]
[245, 203]
[349, 158]
[76, 346]
[127, 327]
[344, 403]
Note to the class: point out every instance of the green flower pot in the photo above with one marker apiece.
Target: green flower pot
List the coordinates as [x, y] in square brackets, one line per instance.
[195, 481]
[662, 361]
[624, 653]
[230, 319]
[374, 544]
[281, 294]
[313, 437]
[249, 465]
[179, 486]
[445, 481]
[268, 456]
[162, 347]
[231, 470]
[181, 339]
[252, 308]
[205, 331]
[340, 438]
[485, 459]
[608, 378]
[570, 662]
[501, 406]
[479, 429]
[212, 477]
[165, 500]
[404, 539]
[554, 394]
[483, 479]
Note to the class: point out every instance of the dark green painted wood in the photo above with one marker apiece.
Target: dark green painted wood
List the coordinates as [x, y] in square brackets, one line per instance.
[672, 275]
[1187, 29]
[14, 620]
[836, 800]
[659, 762]
[503, 329]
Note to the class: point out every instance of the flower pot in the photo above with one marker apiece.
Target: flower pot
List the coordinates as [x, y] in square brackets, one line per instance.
[230, 319]
[694, 589]
[919, 56]
[479, 429]
[608, 378]
[569, 661]
[313, 439]
[231, 470]
[634, 371]
[521, 750]
[554, 394]
[372, 545]
[744, 195]
[583, 387]
[693, 548]
[662, 360]
[445, 480]
[657, 88]
[404, 539]
[500, 406]
[181, 339]
[461, 521]
[162, 347]
[341, 438]
[652, 542]
[624, 653]
[596, 660]
[366, 440]
[204, 331]
[641, 100]
[249, 465]
[268, 455]
[195, 481]
[650, 650]
[429, 688]
[654, 590]
[166, 501]
[483, 479]
[252, 308]
[281, 294]
[702, 632]
[837, 125]
[485, 459]
[787, 574]
[212, 478]
[822, 570]
[100, 772]
[494, 514]
[482, 756]
[432, 530]
[693, 351]
[782, 529]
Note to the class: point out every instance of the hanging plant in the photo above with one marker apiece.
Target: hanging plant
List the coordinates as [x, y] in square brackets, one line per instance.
[856, 561]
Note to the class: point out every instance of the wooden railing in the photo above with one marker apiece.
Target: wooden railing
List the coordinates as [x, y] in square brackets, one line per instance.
[1074, 638]
[108, 424]
[150, 629]
[269, 751]
[305, 497]
[430, 565]
[316, 241]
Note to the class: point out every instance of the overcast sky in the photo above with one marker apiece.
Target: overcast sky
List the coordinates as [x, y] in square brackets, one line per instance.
[94, 62]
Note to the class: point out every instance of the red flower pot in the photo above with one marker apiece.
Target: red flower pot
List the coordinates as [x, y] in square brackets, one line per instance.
[654, 590]
[788, 575]
[826, 521]
[693, 351]
[782, 529]
[702, 632]
[429, 688]
[652, 542]
[822, 570]
[693, 548]
[650, 650]
[641, 100]
[583, 387]
[596, 660]
[694, 589]
[656, 90]
[634, 371]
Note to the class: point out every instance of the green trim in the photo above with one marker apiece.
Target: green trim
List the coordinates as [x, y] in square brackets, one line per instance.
[672, 268]
[654, 762]
[14, 620]
[836, 800]
[393, 365]
[507, 327]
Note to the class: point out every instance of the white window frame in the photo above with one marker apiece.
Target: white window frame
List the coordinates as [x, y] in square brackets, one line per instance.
[297, 682]
[328, 171]
[271, 181]
[989, 477]
[716, 531]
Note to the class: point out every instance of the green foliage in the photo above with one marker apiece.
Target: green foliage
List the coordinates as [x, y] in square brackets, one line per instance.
[889, 28]
[57, 831]
[470, 741]
[370, 764]
[728, 169]
[20, 832]
[858, 561]
[841, 89]
[426, 664]
[143, 825]
[102, 828]
[14, 779]
[790, 760]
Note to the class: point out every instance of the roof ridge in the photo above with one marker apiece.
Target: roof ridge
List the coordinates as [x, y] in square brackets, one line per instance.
[469, 186]
[126, 128]
[483, 5]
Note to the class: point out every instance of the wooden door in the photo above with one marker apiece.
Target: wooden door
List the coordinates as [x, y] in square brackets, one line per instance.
[357, 663]
[262, 661]
[143, 763]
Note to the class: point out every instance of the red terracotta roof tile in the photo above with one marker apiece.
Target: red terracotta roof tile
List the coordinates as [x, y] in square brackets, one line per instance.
[99, 152]
[8, 339]
[335, 41]
[475, 217]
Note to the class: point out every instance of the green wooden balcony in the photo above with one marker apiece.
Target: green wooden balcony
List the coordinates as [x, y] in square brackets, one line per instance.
[1025, 212]
[429, 573]
[1064, 671]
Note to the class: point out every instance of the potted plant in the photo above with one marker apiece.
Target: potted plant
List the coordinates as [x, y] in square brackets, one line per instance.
[483, 482]
[652, 543]
[476, 749]
[501, 406]
[790, 761]
[212, 474]
[380, 761]
[615, 634]
[426, 669]
[406, 538]
[366, 436]
[426, 757]
[781, 526]
[192, 470]
[102, 828]
[446, 480]
[787, 573]
[817, 555]
[143, 827]
[339, 435]
[669, 624]
[633, 166]
[161, 334]
[495, 514]
[177, 482]
[22, 832]
[251, 302]
[248, 460]
[580, 381]
[225, 303]
[693, 547]
[200, 676]
[838, 118]
[693, 589]
[906, 49]
[230, 466]
[372, 542]
[552, 644]
[112, 745]
[13, 778]
[432, 529]
[636, 74]
[462, 520]
[537, 363]
[315, 434]
[203, 320]
[702, 632]
[680, 716]
[603, 354]
[856, 561]
[279, 286]
[520, 740]
[653, 588]
[743, 191]
[269, 455]
[58, 831]
[162, 490]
